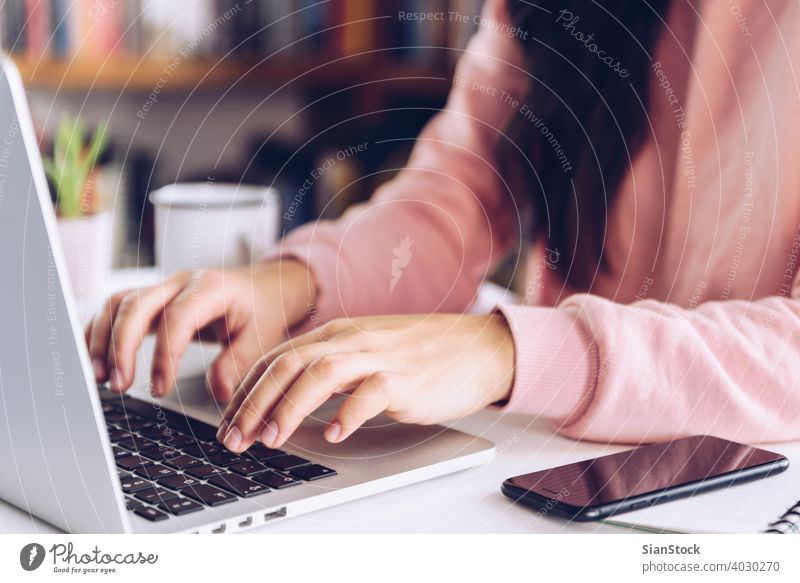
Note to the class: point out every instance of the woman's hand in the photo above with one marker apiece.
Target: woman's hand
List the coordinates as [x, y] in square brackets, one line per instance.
[247, 310]
[417, 369]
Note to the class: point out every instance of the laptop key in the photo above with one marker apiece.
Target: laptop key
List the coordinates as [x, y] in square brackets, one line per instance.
[238, 485]
[119, 452]
[116, 434]
[312, 472]
[136, 443]
[276, 481]
[155, 495]
[201, 450]
[178, 481]
[180, 506]
[132, 504]
[140, 424]
[133, 483]
[248, 468]
[166, 436]
[159, 453]
[130, 423]
[182, 462]
[150, 513]
[178, 440]
[156, 432]
[155, 472]
[116, 417]
[286, 462]
[133, 462]
[225, 459]
[208, 495]
[261, 452]
[204, 472]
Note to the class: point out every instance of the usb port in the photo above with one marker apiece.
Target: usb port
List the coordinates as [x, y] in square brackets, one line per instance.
[246, 522]
[275, 514]
[219, 530]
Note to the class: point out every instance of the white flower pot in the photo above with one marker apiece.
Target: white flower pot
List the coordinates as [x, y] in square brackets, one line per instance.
[87, 244]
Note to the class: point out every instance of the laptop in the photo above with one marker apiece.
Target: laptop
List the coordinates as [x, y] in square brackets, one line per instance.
[87, 461]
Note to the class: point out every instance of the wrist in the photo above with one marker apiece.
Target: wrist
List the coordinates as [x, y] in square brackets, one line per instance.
[505, 360]
[294, 284]
[298, 289]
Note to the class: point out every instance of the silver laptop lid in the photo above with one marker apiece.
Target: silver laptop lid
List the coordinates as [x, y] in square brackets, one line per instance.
[55, 459]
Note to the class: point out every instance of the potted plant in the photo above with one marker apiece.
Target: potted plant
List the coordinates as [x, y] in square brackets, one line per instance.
[83, 223]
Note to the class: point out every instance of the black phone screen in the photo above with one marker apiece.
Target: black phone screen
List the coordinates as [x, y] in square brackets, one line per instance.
[643, 470]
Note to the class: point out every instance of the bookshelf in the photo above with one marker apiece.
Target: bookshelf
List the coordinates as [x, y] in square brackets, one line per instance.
[128, 73]
[352, 71]
[308, 44]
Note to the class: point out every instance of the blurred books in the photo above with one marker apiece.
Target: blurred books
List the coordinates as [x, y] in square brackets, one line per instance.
[413, 30]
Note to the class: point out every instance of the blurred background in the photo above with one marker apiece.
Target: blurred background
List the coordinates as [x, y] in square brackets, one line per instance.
[262, 92]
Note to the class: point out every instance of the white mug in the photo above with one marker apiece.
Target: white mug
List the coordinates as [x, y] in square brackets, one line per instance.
[202, 225]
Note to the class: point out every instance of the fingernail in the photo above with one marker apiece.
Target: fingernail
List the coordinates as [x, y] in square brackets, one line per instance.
[157, 385]
[233, 439]
[99, 369]
[223, 429]
[270, 434]
[333, 432]
[117, 380]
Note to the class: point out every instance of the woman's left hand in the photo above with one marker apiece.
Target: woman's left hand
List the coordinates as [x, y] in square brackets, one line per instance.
[417, 369]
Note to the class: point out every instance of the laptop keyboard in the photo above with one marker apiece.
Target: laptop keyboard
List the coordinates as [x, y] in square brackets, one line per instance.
[171, 465]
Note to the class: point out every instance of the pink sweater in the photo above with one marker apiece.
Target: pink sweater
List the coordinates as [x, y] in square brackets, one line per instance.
[696, 326]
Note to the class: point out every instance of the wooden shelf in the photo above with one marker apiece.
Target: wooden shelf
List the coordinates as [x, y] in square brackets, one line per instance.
[131, 74]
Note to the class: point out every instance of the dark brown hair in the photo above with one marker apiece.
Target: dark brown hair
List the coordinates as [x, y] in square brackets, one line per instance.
[584, 118]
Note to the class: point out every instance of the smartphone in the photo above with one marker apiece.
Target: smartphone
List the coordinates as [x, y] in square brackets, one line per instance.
[651, 474]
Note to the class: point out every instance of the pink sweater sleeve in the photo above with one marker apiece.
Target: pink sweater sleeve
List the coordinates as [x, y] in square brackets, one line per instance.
[651, 371]
[426, 239]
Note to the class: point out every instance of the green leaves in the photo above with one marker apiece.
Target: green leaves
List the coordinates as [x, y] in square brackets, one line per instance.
[72, 162]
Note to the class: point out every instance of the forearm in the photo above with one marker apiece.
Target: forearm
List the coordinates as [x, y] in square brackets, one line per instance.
[653, 371]
[427, 238]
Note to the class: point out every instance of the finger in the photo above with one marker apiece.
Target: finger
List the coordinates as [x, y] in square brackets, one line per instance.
[332, 330]
[370, 399]
[87, 337]
[282, 370]
[327, 375]
[246, 421]
[233, 364]
[192, 309]
[240, 394]
[98, 333]
[135, 316]
[326, 341]
[87, 331]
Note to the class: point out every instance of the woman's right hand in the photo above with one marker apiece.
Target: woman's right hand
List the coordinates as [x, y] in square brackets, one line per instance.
[248, 310]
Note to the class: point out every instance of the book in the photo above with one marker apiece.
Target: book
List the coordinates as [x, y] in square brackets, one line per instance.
[357, 31]
[97, 29]
[132, 38]
[60, 23]
[37, 27]
[14, 33]
[423, 37]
